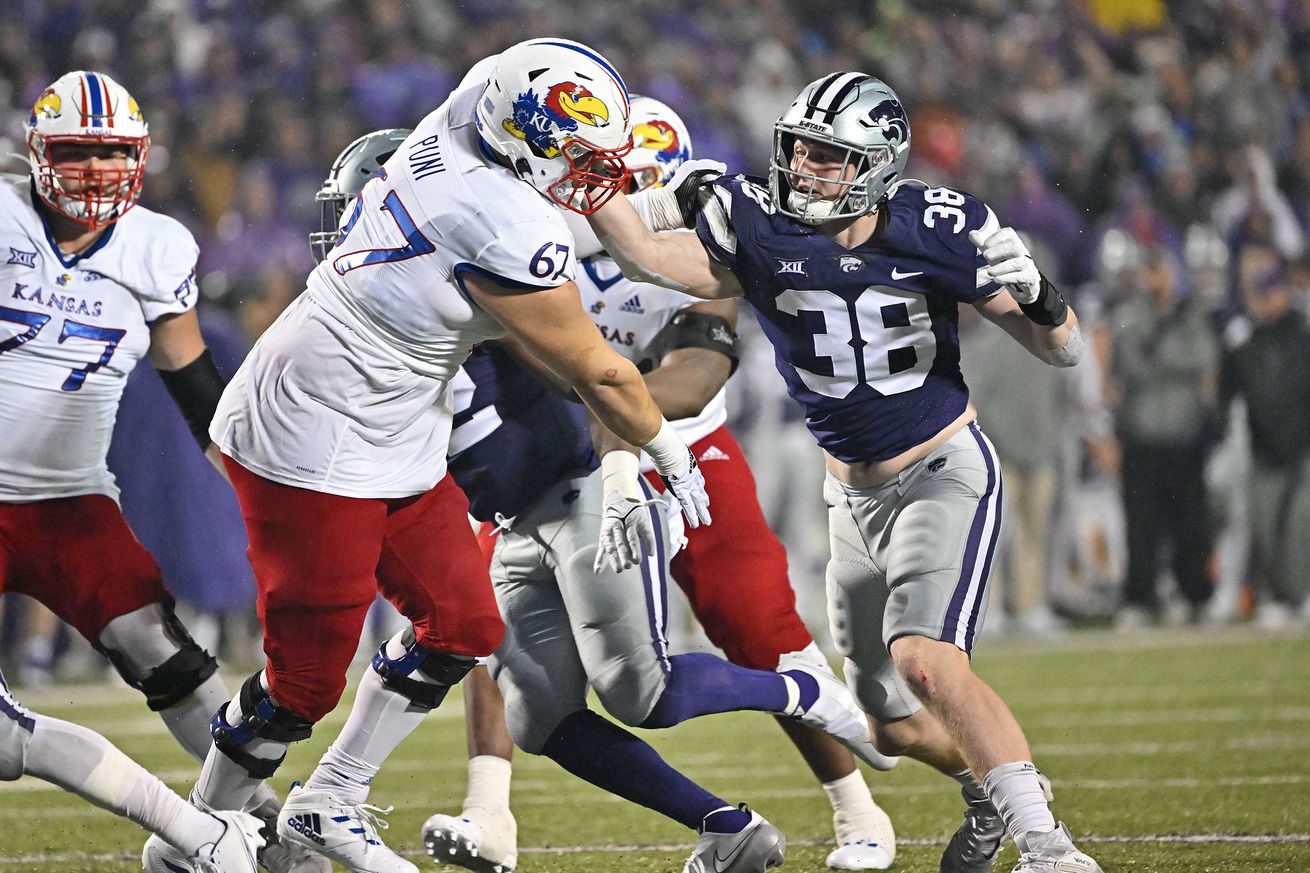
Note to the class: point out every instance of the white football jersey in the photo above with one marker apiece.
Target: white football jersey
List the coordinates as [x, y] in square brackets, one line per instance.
[71, 329]
[630, 316]
[348, 392]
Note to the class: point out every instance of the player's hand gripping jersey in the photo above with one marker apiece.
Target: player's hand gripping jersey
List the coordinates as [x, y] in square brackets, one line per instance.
[348, 392]
[71, 328]
[866, 338]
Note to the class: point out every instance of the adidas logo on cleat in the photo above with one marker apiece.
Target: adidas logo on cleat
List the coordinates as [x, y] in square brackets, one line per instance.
[713, 453]
[309, 826]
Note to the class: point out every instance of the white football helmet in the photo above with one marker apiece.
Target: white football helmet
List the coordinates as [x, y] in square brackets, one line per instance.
[357, 163]
[559, 112]
[91, 108]
[660, 143]
[860, 116]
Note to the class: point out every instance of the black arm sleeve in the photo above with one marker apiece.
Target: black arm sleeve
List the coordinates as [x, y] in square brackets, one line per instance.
[1049, 308]
[698, 330]
[195, 389]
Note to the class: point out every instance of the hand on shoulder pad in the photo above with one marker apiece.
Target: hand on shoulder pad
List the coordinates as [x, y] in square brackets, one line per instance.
[687, 182]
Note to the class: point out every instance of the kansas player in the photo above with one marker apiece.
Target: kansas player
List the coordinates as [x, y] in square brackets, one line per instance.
[334, 431]
[856, 281]
[734, 574]
[89, 283]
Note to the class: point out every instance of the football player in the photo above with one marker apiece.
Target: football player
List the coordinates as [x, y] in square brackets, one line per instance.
[856, 280]
[92, 282]
[734, 574]
[519, 451]
[334, 431]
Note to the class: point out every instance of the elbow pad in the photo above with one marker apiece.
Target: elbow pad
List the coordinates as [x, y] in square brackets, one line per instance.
[196, 389]
[698, 330]
[1070, 353]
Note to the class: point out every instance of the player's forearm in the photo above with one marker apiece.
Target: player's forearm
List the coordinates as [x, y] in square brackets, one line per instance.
[1058, 345]
[640, 253]
[616, 394]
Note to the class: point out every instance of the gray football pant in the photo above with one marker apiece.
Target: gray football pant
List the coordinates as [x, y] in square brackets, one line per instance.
[567, 627]
[911, 557]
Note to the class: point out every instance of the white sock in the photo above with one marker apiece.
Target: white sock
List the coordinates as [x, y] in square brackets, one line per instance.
[853, 810]
[80, 760]
[225, 784]
[489, 778]
[188, 719]
[1016, 792]
[379, 721]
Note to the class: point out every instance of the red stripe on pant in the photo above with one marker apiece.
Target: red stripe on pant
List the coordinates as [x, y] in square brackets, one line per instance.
[734, 572]
[77, 556]
[320, 558]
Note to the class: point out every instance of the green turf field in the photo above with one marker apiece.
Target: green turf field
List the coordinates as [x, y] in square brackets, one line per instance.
[1189, 751]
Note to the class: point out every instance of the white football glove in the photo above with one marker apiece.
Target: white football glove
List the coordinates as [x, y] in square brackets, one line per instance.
[627, 530]
[1009, 263]
[627, 533]
[689, 488]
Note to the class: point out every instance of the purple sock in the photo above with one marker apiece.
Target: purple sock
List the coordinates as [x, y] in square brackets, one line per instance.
[701, 684]
[604, 754]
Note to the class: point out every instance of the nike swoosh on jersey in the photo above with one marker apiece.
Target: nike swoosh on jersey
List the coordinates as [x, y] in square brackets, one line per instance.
[897, 274]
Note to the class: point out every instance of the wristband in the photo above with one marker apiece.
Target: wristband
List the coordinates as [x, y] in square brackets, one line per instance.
[196, 389]
[668, 451]
[658, 208]
[1049, 308]
[619, 471]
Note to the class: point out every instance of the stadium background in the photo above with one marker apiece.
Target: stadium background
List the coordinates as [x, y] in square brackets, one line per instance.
[1138, 143]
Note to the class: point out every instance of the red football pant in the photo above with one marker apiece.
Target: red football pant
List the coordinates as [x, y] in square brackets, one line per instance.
[319, 559]
[734, 572]
[78, 557]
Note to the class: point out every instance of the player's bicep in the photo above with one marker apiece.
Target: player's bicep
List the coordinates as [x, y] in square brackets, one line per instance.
[175, 340]
[549, 323]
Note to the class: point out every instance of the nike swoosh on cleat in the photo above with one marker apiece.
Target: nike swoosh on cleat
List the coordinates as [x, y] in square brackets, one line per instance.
[721, 864]
[897, 274]
[176, 869]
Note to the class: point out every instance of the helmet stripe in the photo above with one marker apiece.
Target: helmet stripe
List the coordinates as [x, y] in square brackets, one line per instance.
[813, 105]
[828, 100]
[97, 110]
[86, 111]
[614, 74]
[109, 103]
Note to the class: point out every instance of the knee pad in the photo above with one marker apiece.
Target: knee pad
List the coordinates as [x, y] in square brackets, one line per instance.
[16, 726]
[153, 652]
[261, 718]
[443, 669]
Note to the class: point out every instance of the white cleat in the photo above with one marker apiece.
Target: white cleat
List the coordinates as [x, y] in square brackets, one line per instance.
[346, 833]
[282, 857]
[869, 844]
[235, 851]
[859, 855]
[480, 839]
[1053, 852]
[755, 848]
[835, 711]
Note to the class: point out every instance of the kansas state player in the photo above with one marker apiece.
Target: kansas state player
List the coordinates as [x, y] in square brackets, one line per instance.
[734, 574]
[856, 281]
[90, 283]
[334, 431]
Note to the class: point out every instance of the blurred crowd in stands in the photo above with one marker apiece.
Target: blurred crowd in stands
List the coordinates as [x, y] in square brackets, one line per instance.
[1157, 155]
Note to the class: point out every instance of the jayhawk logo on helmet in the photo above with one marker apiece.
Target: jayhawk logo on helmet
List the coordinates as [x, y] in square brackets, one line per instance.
[48, 105]
[536, 121]
[133, 110]
[661, 137]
